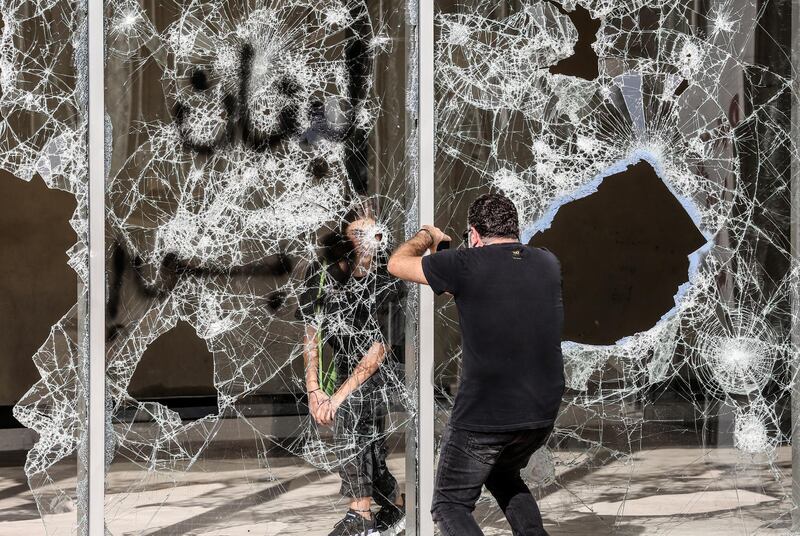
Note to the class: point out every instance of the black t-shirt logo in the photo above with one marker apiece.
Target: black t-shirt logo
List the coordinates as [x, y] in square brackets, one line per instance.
[516, 254]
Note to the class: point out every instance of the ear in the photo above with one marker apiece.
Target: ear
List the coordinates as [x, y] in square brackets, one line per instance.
[477, 240]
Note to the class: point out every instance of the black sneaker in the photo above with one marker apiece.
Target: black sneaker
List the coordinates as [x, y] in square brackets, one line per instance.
[391, 519]
[354, 524]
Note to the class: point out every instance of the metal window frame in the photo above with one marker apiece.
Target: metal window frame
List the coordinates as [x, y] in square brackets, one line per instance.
[97, 286]
[427, 145]
[795, 253]
[97, 421]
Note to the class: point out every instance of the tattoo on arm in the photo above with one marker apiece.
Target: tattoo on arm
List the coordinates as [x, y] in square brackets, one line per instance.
[416, 245]
[406, 262]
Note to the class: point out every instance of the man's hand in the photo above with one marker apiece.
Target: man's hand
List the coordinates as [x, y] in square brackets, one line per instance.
[317, 401]
[327, 411]
[406, 262]
[438, 236]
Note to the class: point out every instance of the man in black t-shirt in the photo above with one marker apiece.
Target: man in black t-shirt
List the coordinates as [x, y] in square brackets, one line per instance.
[510, 312]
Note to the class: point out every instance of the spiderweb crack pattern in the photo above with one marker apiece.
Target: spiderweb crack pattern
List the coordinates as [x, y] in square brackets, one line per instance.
[220, 199]
[669, 93]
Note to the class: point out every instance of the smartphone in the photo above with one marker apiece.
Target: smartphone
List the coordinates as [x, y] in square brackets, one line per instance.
[444, 244]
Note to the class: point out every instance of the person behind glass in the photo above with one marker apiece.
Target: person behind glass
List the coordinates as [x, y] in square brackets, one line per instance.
[510, 312]
[352, 305]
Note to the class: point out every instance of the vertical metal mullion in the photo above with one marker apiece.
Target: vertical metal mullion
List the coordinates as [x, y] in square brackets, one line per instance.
[426, 135]
[97, 287]
[794, 227]
[411, 224]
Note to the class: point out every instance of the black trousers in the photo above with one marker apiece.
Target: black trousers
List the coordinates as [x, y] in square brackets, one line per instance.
[360, 447]
[468, 461]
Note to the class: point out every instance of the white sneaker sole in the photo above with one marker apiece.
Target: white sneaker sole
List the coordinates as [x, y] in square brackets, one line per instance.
[369, 532]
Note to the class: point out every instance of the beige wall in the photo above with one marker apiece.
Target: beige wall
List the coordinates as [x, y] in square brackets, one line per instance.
[36, 284]
[38, 288]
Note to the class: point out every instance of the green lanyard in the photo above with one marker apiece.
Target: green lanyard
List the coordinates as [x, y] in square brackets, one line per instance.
[327, 378]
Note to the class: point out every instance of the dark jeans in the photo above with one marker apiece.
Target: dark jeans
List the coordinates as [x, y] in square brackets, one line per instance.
[467, 461]
[360, 448]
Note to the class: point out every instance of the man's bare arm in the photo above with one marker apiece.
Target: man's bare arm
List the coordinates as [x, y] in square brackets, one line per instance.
[366, 367]
[406, 262]
[310, 358]
[316, 396]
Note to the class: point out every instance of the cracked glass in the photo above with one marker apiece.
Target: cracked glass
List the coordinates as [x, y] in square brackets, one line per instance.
[261, 164]
[258, 180]
[260, 169]
[648, 145]
[44, 244]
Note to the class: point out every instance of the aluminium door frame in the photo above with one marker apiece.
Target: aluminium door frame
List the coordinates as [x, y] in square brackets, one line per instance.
[97, 286]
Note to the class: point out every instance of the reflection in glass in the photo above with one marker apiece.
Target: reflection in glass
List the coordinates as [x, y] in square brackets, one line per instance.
[353, 306]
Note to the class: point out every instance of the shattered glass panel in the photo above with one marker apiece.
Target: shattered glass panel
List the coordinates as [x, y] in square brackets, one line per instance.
[647, 144]
[43, 239]
[258, 180]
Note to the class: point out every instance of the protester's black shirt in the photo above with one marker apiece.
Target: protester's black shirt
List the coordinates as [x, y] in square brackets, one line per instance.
[510, 311]
[353, 314]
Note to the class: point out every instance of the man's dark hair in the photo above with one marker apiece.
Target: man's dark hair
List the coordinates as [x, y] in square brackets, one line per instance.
[494, 215]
